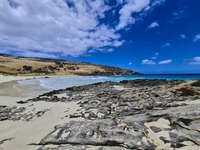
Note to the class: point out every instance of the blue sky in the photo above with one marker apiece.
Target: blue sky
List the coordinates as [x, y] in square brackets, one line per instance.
[149, 36]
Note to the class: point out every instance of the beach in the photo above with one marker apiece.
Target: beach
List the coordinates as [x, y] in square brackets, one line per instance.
[140, 113]
[19, 134]
[11, 91]
[7, 78]
[23, 133]
[99, 75]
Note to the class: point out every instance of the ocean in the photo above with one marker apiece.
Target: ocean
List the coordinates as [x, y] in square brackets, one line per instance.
[61, 82]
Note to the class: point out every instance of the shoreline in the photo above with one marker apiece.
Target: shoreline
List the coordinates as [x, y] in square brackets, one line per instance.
[19, 134]
[9, 78]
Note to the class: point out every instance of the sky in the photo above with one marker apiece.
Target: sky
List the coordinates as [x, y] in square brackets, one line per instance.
[148, 36]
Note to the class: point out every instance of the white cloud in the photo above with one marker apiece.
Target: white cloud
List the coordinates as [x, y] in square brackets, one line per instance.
[158, 2]
[153, 59]
[153, 25]
[37, 54]
[197, 38]
[155, 56]
[166, 45]
[168, 61]
[3, 51]
[55, 27]
[178, 13]
[60, 27]
[148, 62]
[196, 61]
[110, 50]
[131, 6]
[130, 63]
[183, 36]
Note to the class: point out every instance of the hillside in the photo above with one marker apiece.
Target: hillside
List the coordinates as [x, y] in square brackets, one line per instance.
[16, 65]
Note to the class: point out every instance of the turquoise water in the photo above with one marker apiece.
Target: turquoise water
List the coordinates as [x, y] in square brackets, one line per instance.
[68, 81]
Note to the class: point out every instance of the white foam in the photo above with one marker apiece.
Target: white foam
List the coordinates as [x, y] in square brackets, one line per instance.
[62, 82]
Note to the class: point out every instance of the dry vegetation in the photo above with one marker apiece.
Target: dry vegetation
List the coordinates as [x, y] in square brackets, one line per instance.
[15, 65]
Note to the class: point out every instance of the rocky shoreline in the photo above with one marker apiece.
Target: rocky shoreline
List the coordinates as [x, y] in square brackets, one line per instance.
[137, 114]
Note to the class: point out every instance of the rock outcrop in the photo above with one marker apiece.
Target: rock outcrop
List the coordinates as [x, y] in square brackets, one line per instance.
[136, 114]
[19, 113]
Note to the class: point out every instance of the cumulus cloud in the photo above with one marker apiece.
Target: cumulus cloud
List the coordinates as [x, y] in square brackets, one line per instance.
[158, 2]
[148, 62]
[131, 6]
[178, 14]
[166, 45]
[37, 54]
[154, 60]
[196, 61]
[183, 36]
[197, 38]
[153, 25]
[110, 50]
[64, 27]
[168, 61]
[130, 63]
[155, 56]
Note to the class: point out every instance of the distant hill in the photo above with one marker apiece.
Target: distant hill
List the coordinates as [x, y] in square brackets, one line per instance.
[16, 65]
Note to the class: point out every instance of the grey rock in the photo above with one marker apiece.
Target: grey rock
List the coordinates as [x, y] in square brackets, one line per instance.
[155, 129]
[97, 133]
[18, 113]
[115, 115]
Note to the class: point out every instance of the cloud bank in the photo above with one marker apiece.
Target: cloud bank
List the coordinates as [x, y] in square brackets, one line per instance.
[65, 27]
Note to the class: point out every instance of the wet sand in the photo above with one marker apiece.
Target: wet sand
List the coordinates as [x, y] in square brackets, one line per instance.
[4, 79]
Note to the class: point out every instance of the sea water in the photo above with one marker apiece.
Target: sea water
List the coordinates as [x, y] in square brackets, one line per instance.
[61, 82]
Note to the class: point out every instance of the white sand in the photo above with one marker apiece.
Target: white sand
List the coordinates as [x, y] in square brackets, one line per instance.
[161, 123]
[155, 137]
[24, 133]
[5, 78]
[15, 89]
[17, 78]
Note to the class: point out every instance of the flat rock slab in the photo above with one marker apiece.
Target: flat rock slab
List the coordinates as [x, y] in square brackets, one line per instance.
[97, 133]
[137, 114]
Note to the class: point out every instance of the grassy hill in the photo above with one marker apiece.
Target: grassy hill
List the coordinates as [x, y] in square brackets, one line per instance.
[16, 65]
